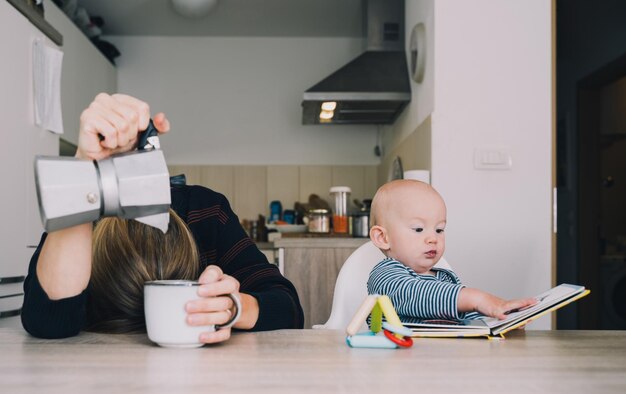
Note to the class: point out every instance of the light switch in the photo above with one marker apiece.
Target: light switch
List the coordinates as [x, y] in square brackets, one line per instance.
[492, 159]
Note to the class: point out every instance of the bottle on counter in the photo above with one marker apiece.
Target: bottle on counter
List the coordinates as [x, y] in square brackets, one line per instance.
[254, 230]
[289, 216]
[318, 220]
[276, 209]
[340, 195]
[261, 235]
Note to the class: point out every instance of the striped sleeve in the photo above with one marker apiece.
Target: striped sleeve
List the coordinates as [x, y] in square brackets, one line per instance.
[415, 296]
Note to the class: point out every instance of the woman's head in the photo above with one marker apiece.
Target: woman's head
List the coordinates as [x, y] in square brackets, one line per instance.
[126, 254]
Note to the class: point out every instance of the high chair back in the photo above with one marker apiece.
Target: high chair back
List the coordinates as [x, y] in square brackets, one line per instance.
[351, 284]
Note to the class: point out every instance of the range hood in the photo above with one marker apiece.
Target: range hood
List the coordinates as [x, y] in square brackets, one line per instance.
[374, 88]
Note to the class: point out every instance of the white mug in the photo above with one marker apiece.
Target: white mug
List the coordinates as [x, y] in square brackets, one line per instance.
[166, 318]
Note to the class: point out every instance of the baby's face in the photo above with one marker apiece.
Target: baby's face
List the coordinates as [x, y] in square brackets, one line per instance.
[415, 220]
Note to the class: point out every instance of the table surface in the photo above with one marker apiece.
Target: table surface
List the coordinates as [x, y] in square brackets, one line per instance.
[315, 361]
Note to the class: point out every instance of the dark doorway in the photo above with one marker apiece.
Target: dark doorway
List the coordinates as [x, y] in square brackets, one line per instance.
[591, 157]
[602, 193]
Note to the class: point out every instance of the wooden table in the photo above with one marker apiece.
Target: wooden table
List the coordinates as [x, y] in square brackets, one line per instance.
[318, 361]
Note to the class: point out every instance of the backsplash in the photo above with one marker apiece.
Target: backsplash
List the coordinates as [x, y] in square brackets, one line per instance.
[250, 189]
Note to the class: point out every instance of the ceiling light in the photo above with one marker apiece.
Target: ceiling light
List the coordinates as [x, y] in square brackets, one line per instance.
[329, 105]
[326, 115]
[193, 8]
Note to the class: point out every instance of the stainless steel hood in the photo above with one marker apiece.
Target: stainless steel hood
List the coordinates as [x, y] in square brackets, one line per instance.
[374, 88]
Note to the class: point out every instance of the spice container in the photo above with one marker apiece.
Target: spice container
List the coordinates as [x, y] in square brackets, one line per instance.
[361, 219]
[254, 230]
[276, 209]
[340, 195]
[318, 221]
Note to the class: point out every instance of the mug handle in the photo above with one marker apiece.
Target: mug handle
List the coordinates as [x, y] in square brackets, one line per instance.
[235, 317]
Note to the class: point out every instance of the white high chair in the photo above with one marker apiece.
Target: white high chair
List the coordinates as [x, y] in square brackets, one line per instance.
[351, 284]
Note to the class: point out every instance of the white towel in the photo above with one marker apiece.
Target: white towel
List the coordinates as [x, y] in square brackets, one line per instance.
[47, 66]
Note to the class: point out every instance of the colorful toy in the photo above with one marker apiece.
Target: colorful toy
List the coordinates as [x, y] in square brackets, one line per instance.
[394, 334]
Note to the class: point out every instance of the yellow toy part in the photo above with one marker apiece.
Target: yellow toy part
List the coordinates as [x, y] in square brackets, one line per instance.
[377, 306]
[389, 311]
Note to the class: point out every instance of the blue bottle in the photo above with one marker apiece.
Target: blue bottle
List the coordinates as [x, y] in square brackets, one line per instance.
[276, 208]
[289, 216]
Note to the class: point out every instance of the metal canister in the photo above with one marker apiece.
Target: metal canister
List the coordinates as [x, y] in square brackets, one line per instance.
[318, 221]
[361, 225]
[361, 220]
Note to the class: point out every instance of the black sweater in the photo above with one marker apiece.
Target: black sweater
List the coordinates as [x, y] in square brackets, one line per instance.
[220, 240]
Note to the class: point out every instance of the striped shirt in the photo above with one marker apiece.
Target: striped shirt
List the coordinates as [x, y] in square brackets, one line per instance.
[416, 296]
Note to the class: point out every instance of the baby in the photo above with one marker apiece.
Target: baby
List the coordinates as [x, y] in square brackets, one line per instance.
[408, 222]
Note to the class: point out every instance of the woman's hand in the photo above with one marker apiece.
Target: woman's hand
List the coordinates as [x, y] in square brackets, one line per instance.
[214, 307]
[111, 123]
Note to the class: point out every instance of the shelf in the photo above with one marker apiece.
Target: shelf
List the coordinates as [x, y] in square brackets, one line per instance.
[36, 19]
[321, 242]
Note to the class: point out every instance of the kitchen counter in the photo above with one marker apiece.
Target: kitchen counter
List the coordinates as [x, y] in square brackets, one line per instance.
[312, 265]
[315, 361]
[319, 242]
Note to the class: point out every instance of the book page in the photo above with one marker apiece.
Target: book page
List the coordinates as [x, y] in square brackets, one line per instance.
[544, 301]
[438, 324]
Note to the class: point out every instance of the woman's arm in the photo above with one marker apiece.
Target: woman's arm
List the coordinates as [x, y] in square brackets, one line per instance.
[64, 265]
[45, 317]
[269, 300]
[61, 267]
[109, 125]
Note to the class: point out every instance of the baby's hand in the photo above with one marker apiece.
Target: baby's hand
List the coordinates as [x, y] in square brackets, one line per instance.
[501, 310]
[490, 305]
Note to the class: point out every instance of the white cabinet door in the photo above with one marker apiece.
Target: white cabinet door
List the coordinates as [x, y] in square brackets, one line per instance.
[21, 140]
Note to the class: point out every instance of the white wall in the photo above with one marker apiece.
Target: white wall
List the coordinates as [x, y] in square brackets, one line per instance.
[236, 100]
[487, 84]
[422, 94]
[493, 65]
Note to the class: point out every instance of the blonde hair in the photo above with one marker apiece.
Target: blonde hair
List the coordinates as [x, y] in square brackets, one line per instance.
[126, 254]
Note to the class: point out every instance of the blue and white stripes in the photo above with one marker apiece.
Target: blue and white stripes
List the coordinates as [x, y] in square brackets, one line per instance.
[417, 296]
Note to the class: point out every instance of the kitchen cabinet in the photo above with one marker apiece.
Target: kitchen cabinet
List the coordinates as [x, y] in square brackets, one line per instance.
[85, 73]
[268, 249]
[312, 265]
[250, 189]
[21, 140]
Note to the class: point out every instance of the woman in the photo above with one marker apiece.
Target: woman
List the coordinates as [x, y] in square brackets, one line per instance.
[71, 287]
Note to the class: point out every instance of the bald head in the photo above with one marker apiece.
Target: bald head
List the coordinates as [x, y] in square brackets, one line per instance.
[394, 197]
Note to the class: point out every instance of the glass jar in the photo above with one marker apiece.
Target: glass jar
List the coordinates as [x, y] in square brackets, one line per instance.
[340, 196]
[318, 221]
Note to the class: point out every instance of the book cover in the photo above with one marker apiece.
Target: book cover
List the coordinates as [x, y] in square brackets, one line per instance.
[547, 302]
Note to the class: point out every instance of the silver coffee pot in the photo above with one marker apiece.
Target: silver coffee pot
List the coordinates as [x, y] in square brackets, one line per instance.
[133, 185]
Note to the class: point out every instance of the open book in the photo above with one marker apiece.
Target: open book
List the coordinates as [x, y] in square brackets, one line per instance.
[549, 301]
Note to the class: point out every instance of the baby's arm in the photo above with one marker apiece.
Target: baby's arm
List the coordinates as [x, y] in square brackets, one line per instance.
[488, 304]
